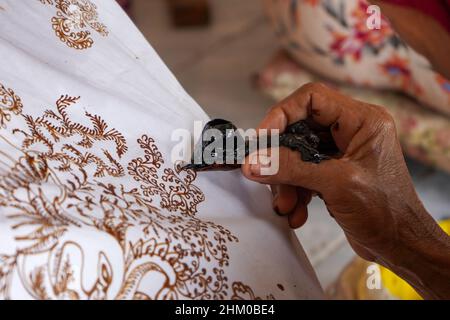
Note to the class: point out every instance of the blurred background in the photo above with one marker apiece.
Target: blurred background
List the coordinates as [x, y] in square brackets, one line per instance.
[226, 55]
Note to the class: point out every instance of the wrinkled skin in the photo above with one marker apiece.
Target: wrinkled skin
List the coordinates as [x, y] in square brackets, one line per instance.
[368, 190]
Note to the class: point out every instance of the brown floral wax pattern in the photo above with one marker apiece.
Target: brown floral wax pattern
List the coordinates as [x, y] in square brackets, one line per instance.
[10, 103]
[66, 191]
[74, 20]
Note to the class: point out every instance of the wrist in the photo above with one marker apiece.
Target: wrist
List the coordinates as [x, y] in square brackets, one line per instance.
[422, 256]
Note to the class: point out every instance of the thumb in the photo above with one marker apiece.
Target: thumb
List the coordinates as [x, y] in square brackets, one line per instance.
[285, 166]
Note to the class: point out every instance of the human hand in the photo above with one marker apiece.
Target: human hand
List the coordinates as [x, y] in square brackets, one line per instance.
[368, 189]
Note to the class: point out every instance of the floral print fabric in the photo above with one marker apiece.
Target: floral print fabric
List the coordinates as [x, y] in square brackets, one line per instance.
[331, 38]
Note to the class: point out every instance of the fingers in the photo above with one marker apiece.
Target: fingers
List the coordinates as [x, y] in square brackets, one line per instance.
[298, 218]
[299, 215]
[291, 202]
[284, 199]
[325, 106]
[291, 170]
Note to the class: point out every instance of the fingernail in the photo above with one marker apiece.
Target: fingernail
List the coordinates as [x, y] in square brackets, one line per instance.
[277, 211]
[255, 169]
[262, 161]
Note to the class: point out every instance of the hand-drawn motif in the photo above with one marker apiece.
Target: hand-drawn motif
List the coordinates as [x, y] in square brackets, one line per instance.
[68, 181]
[244, 292]
[176, 192]
[72, 21]
[9, 103]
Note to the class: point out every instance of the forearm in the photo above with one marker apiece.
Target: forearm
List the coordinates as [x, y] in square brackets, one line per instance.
[428, 272]
[423, 257]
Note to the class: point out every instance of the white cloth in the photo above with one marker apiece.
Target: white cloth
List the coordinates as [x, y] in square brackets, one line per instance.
[90, 204]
